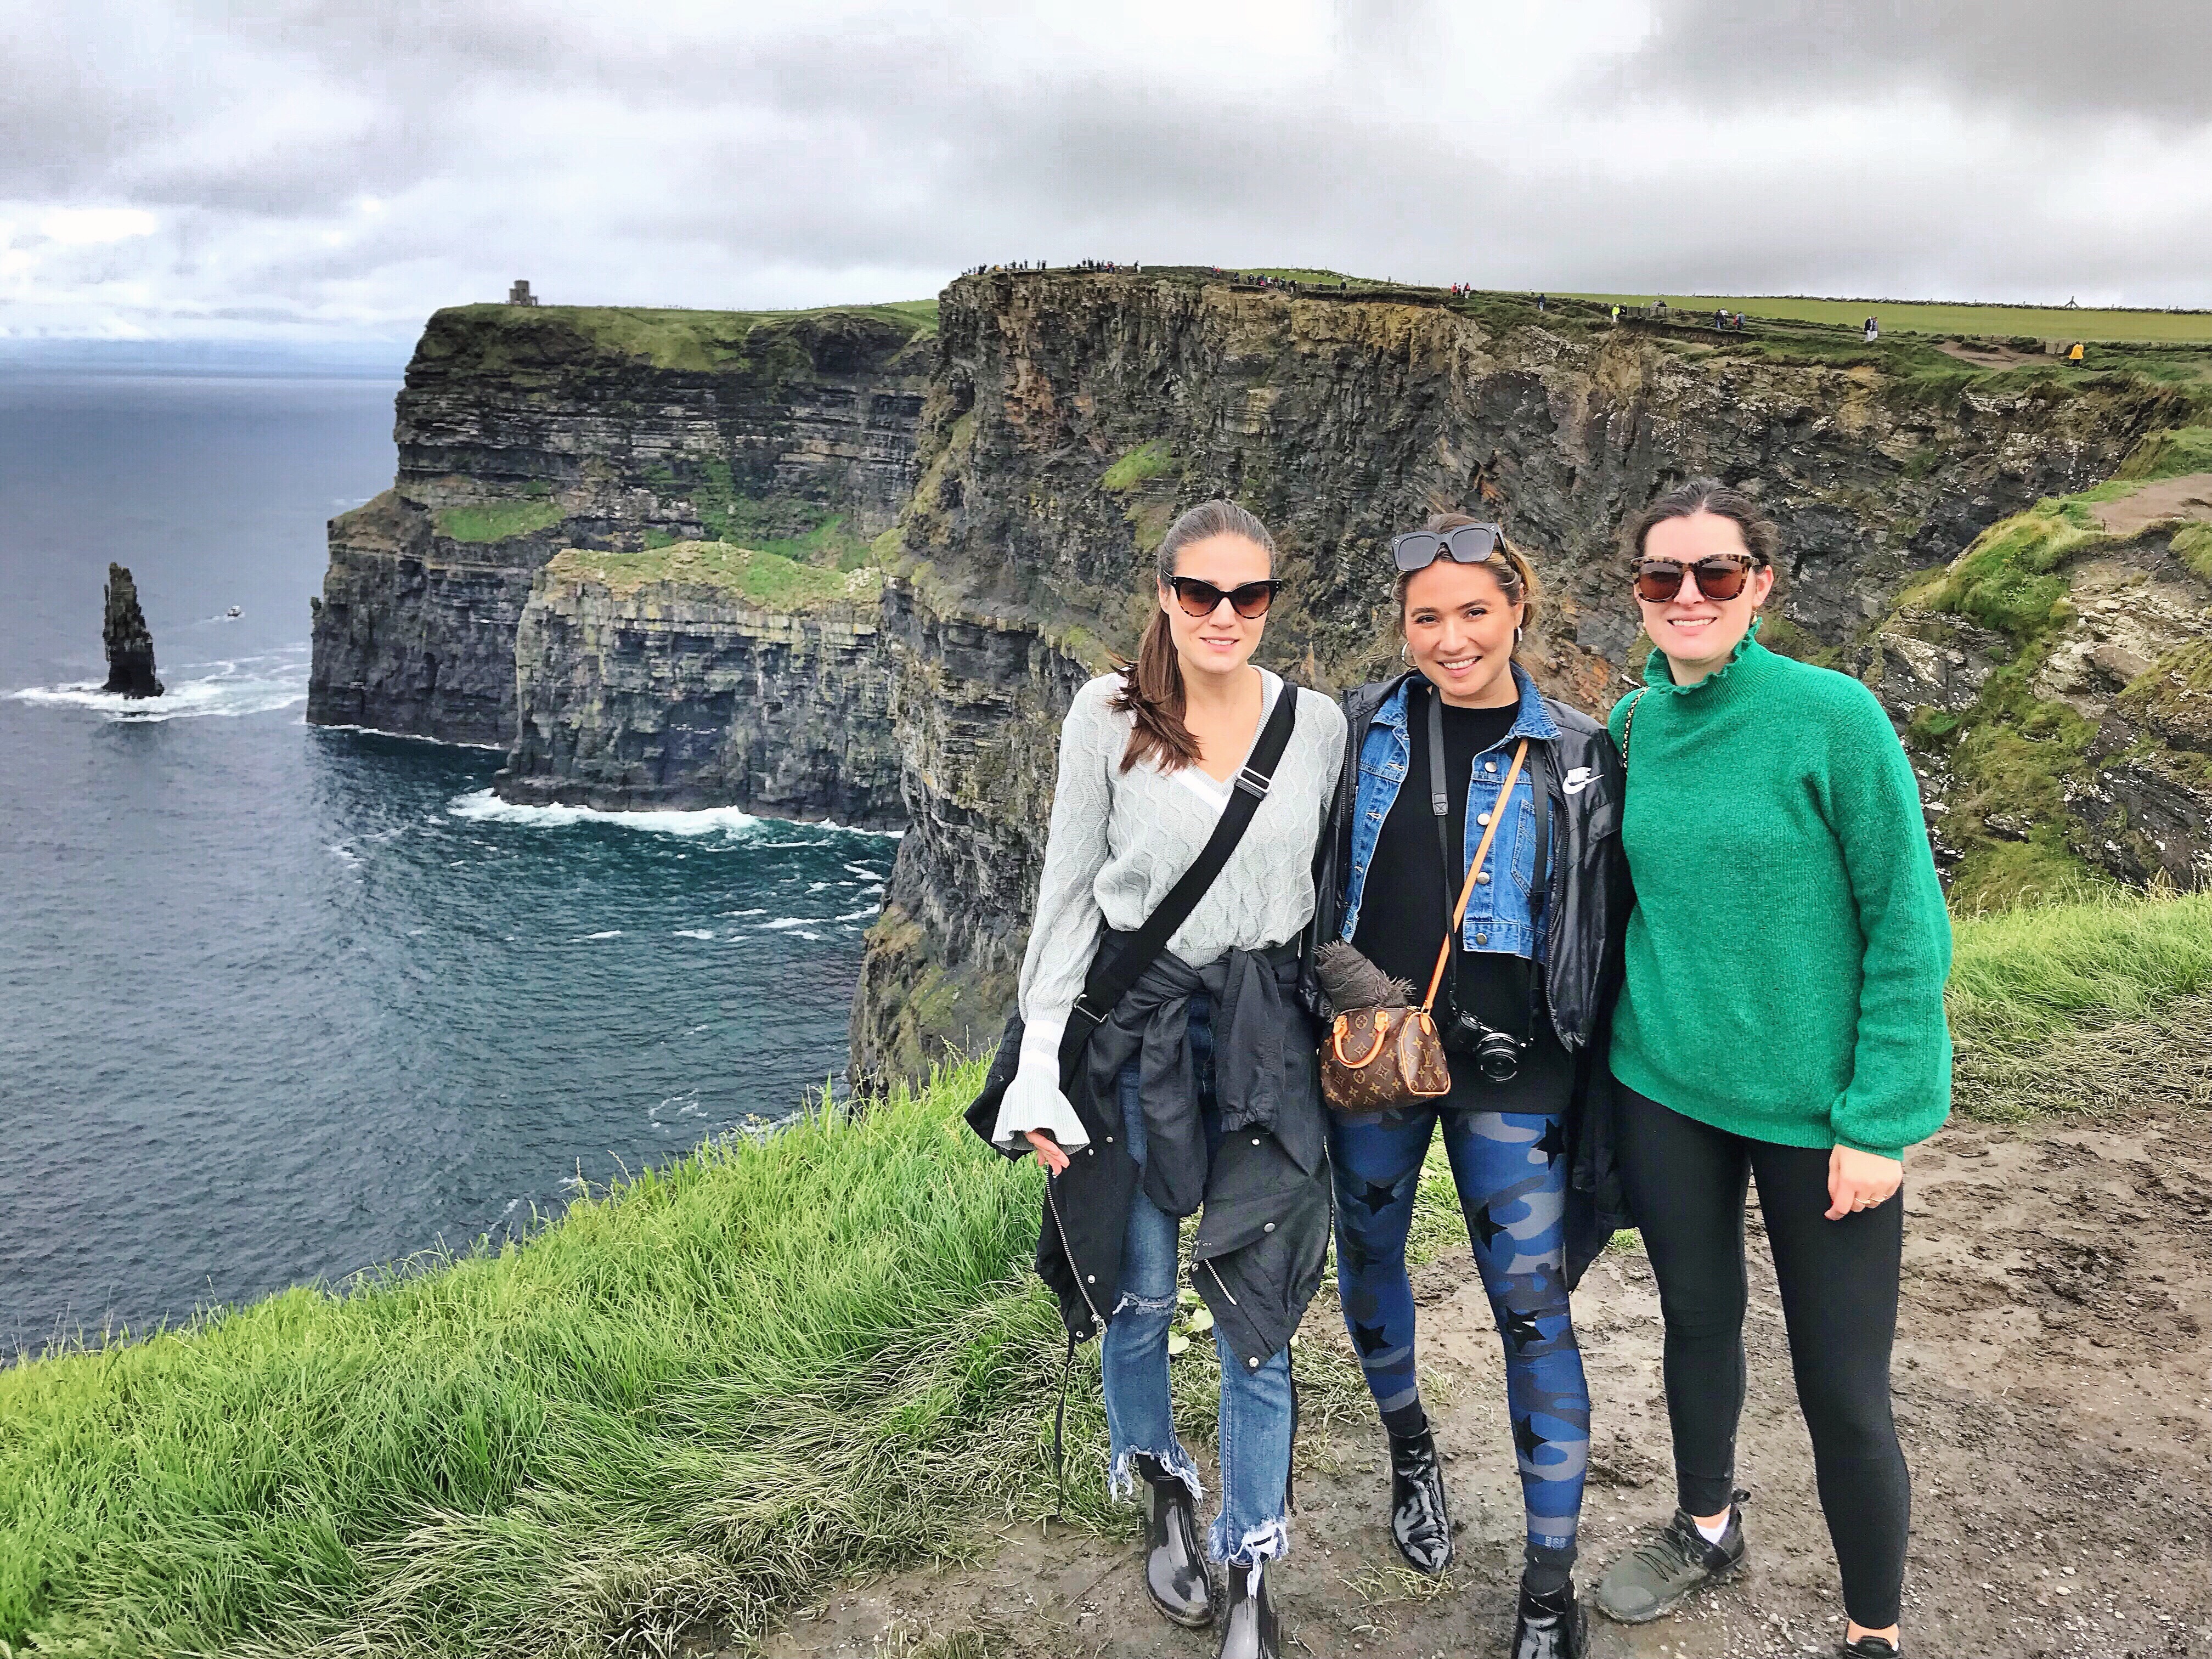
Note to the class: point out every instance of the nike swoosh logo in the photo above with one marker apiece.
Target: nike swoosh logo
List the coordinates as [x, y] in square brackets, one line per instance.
[1578, 779]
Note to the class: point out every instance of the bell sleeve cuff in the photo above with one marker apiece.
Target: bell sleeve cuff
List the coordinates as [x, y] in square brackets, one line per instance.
[1033, 1099]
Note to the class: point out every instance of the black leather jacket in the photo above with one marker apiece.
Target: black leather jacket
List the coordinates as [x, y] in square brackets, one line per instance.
[1586, 903]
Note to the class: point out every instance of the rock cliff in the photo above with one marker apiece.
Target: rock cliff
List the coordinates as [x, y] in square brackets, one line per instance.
[524, 430]
[1071, 414]
[655, 554]
[704, 675]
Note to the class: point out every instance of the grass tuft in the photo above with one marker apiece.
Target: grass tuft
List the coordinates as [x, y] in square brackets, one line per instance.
[495, 522]
[1147, 461]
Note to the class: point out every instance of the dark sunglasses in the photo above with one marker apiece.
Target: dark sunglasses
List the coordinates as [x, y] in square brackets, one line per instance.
[1722, 576]
[1250, 600]
[1471, 544]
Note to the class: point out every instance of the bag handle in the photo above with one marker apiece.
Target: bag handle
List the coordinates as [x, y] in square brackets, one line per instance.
[1110, 980]
[1628, 724]
[1466, 888]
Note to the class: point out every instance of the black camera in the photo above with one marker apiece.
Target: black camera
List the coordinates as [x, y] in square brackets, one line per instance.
[1495, 1053]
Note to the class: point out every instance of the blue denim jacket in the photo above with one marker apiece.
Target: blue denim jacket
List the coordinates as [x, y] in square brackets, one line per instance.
[1504, 913]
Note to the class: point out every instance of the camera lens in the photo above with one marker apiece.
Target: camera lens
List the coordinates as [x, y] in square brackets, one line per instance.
[1498, 1057]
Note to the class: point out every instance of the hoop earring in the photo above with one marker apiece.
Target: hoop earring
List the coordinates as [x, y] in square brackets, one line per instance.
[1406, 653]
[1517, 633]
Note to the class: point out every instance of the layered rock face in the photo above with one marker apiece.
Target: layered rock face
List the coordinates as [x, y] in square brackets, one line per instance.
[704, 676]
[128, 642]
[524, 430]
[1072, 415]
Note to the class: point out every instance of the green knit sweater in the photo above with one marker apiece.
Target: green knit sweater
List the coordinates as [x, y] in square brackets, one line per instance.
[1788, 945]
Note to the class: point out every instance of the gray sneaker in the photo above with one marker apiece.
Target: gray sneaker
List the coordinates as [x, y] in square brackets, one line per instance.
[1659, 1573]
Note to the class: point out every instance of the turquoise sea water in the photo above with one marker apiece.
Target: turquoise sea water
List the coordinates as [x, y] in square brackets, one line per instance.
[278, 1004]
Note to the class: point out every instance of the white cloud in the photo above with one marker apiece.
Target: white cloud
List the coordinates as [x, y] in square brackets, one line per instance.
[303, 164]
[90, 226]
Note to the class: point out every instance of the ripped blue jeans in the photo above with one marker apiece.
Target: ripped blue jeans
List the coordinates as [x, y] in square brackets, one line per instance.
[1255, 1405]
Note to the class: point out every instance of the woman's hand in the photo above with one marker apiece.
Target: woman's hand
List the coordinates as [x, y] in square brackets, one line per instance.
[1857, 1180]
[1050, 1154]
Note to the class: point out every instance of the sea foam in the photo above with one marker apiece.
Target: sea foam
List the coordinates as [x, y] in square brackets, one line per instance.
[484, 806]
[240, 685]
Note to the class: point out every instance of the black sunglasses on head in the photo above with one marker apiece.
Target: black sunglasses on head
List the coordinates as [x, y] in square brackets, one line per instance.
[1250, 600]
[1471, 544]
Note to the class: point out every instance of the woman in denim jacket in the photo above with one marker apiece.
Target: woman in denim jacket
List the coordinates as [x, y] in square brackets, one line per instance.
[1524, 992]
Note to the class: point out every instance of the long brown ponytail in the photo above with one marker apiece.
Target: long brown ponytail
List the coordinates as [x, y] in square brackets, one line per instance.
[1151, 687]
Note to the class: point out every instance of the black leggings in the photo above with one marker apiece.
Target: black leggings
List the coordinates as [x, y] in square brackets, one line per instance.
[1838, 1281]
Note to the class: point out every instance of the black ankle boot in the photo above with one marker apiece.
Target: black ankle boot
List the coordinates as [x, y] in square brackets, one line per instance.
[1553, 1627]
[1176, 1574]
[1419, 1520]
[1250, 1630]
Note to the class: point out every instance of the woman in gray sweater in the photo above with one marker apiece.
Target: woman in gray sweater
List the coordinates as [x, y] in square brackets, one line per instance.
[1207, 1064]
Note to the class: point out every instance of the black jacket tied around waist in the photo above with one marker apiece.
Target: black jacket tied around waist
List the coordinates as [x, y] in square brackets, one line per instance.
[1263, 1193]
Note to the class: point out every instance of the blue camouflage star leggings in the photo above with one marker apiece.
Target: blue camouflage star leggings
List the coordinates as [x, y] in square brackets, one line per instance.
[1511, 1175]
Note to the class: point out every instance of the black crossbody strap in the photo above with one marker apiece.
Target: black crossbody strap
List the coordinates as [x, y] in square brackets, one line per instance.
[1110, 980]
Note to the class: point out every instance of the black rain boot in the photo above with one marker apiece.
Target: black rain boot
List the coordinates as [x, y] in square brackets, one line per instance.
[1250, 1630]
[1175, 1573]
[1418, 1521]
[1551, 1627]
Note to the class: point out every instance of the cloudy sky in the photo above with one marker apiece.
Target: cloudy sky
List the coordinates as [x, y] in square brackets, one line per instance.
[339, 169]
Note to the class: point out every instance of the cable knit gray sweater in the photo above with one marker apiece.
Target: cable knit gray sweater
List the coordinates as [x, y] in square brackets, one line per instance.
[1120, 839]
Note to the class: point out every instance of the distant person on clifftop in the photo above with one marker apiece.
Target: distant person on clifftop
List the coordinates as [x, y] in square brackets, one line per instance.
[1196, 1090]
[1872, 330]
[1459, 759]
[1781, 1020]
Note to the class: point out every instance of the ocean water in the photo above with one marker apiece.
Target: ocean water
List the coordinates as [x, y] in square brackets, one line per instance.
[280, 1004]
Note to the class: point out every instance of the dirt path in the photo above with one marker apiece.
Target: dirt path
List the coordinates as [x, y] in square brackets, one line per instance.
[2186, 497]
[2051, 1366]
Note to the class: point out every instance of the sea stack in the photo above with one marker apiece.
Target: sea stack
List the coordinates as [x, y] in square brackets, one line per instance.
[130, 646]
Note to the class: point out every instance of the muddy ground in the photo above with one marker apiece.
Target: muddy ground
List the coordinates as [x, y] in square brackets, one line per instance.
[2052, 1391]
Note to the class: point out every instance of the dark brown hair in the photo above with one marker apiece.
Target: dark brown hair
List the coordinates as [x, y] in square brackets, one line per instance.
[1516, 576]
[1708, 496]
[1151, 687]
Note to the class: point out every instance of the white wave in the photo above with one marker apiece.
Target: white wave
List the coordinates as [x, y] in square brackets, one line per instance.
[811, 938]
[856, 915]
[484, 806]
[785, 924]
[245, 685]
[695, 933]
[410, 737]
[612, 932]
[745, 912]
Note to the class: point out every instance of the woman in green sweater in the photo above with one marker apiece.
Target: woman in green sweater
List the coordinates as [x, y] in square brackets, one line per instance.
[1782, 1020]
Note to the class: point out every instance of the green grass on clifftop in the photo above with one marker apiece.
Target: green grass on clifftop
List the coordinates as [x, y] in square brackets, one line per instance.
[670, 337]
[750, 574]
[1901, 316]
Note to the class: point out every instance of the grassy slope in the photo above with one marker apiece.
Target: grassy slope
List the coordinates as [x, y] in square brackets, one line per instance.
[2001, 322]
[749, 574]
[702, 1395]
[2013, 751]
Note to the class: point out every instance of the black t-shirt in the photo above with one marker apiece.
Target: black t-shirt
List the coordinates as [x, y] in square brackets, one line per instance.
[1404, 906]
